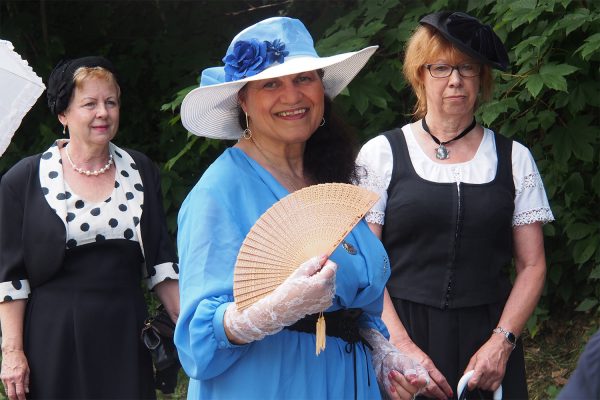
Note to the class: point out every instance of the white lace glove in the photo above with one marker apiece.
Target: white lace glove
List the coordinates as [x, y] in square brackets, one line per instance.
[386, 357]
[308, 290]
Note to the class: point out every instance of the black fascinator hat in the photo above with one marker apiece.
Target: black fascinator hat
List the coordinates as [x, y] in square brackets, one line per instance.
[470, 36]
[60, 83]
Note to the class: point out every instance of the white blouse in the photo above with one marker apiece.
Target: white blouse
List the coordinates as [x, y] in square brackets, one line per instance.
[375, 163]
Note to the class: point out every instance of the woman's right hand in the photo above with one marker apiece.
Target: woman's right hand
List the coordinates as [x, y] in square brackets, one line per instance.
[308, 290]
[15, 374]
[438, 386]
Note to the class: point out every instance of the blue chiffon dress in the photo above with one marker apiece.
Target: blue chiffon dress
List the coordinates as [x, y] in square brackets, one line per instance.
[213, 222]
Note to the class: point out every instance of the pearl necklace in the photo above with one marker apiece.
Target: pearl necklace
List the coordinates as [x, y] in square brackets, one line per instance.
[87, 172]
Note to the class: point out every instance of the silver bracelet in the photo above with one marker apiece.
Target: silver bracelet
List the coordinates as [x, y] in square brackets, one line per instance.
[508, 336]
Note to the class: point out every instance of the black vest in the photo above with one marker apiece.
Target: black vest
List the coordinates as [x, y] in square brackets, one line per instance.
[448, 243]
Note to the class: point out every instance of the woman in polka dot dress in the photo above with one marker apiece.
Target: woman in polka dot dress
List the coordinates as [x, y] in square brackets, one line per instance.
[80, 225]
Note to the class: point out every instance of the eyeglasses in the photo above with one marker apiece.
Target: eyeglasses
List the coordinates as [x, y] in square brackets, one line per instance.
[445, 70]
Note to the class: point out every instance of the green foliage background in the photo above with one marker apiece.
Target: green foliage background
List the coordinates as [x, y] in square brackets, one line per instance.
[548, 100]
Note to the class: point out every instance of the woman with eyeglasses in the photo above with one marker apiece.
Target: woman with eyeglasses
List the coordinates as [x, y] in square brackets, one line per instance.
[459, 204]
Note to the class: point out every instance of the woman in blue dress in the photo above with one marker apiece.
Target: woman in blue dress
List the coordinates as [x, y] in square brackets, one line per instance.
[273, 96]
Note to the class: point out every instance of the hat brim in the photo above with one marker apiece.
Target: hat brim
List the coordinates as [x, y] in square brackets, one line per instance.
[212, 111]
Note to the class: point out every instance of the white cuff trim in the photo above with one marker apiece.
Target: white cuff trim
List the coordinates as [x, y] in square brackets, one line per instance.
[543, 215]
[14, 290]
[163, 272]
[375, 217]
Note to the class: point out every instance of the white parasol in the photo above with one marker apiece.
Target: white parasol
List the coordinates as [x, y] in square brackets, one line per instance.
[20, 88]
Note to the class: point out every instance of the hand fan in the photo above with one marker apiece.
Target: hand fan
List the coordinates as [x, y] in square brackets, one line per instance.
[304, 224]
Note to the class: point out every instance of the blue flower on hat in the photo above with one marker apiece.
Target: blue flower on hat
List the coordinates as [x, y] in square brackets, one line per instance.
[276, 51]
[250, 57]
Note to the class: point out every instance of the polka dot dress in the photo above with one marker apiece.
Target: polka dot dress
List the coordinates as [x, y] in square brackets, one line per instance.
[117, 217]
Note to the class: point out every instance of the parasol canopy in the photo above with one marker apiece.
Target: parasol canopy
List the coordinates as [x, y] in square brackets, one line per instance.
[20, 88]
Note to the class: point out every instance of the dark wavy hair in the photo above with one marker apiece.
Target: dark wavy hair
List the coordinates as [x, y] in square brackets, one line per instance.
[330, 153]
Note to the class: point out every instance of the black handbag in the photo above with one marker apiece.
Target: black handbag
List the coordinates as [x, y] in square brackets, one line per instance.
[157, 336]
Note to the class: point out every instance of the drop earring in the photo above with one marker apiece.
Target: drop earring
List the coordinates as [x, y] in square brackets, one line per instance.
[64, 129]
[247, 134]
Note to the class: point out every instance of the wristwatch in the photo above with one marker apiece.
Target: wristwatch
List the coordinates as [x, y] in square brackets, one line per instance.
[508, 336]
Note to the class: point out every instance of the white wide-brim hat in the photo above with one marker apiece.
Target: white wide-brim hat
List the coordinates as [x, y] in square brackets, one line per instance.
[268, 49]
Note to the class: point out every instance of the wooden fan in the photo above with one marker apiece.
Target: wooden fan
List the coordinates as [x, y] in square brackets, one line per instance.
[306, 223]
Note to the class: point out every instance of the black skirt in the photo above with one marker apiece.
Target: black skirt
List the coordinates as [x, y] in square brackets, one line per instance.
[82, 328]
[451, 337]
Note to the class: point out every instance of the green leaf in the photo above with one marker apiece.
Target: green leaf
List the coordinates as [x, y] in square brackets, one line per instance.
[549, 230]
[555, 273]
[561, 144]
[577, 99]
[591, 89]
[521, 5]
[361, 103]
[534, 84]
[370, 29]
[590, 47]
[585, 249]
[558, 69]
[554, 81]
[583, 151]
[553, 75]
[579, 230]
[570, 22]
[178, 99]
[596, 184]
[169, 164]
[595, 274]
[531, 42]
[584, 136]
[332, 44]
[586, 305]
[574, 185]
[546, 118]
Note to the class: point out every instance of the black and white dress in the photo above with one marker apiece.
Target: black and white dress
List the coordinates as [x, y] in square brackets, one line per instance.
[80, 264]
[448, 232]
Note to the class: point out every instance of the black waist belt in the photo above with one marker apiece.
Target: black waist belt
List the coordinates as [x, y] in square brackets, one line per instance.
[342, 324]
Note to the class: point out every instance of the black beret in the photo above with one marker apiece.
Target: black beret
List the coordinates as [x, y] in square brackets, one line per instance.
[470, 36]
[60, 82]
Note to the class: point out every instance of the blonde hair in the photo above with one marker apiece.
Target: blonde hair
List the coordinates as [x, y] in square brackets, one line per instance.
[82, 74]
[425, 45]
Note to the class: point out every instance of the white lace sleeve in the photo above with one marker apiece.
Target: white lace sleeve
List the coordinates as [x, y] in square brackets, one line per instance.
[375, 164]
[531, 201]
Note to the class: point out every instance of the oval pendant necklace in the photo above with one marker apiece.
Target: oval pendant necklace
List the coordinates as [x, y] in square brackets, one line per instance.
[442, 152]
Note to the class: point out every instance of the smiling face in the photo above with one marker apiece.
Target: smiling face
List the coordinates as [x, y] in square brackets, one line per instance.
[93, 113]
[286, 109]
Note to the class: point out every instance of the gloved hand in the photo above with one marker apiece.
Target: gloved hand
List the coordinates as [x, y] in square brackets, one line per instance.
[308, 290]
[387, 358]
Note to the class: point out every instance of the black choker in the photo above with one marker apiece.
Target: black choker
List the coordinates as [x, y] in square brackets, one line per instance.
[442, 153]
